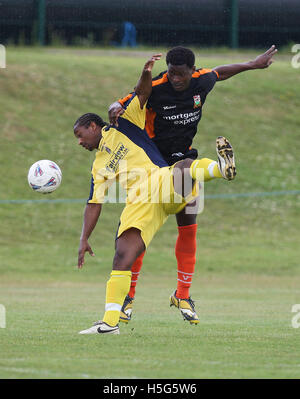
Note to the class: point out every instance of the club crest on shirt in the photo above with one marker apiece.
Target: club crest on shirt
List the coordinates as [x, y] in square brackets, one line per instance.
[197, 101]
[117, 155]
[103, 147]
[106, 149]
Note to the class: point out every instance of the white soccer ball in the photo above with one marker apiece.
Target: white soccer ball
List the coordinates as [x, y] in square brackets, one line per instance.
[44, 176]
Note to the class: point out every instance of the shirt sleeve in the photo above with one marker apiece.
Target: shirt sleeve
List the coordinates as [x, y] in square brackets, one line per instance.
[217, 73]
[210, 80]
[100, 182]
[98, 190]
[134, 114]
[207, 78]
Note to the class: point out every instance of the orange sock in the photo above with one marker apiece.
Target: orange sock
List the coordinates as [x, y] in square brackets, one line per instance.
[185, 251]
[135, 272]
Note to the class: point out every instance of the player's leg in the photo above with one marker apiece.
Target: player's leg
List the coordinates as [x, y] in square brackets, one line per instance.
[135, 271]
[185, 252]
[185, 249]
[129, 245]
[126, 311]
[224, 168]
[149, 217]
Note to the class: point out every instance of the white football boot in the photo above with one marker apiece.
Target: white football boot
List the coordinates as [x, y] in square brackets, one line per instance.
[101, 328]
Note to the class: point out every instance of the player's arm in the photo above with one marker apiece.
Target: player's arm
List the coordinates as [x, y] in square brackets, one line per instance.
[143, 90]
[260, 62]
[90, 219]
[144, 87]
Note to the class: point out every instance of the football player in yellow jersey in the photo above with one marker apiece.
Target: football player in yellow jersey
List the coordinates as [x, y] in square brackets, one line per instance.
[154, 189]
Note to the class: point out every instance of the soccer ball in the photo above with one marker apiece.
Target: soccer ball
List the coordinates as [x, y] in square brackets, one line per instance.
[44, 176]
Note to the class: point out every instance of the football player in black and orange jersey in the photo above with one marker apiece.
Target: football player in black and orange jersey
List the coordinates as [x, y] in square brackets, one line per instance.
[174, 110]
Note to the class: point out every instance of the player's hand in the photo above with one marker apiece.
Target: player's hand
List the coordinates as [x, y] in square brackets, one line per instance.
[114, 111]
[83, 248]
[149, 64]
[265, 60]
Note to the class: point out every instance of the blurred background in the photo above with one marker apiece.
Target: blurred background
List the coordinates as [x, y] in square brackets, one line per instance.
[230, 23]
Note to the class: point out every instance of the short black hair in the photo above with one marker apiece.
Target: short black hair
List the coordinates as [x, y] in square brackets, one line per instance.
[180, 56]
[86, 119]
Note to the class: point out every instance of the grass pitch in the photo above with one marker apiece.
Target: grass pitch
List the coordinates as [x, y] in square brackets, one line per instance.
[247, 273]
[245, 331]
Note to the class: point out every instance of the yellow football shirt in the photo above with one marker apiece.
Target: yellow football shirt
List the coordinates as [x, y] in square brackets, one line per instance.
[128, 155]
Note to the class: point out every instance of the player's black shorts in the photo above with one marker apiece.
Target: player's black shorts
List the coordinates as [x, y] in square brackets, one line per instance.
[193, 154]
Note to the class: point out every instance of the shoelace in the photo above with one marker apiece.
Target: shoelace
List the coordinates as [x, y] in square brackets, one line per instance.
[191, 302]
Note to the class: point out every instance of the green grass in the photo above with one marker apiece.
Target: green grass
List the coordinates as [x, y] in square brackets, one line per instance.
[245, 331]
[247, 274]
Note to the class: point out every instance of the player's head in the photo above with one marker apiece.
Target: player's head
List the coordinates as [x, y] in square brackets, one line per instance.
[87, 130]
[181, 66]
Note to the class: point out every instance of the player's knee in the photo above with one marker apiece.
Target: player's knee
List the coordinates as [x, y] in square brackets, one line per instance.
[120, 260]
[187, 162]
[184, 164]
[128, 247]
[124, 258]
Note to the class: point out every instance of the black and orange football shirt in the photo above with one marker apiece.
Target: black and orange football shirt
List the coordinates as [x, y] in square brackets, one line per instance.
[172, 116]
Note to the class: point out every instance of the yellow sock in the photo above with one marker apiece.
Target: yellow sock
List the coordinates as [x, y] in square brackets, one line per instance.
[117, 288]
[204, 169]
